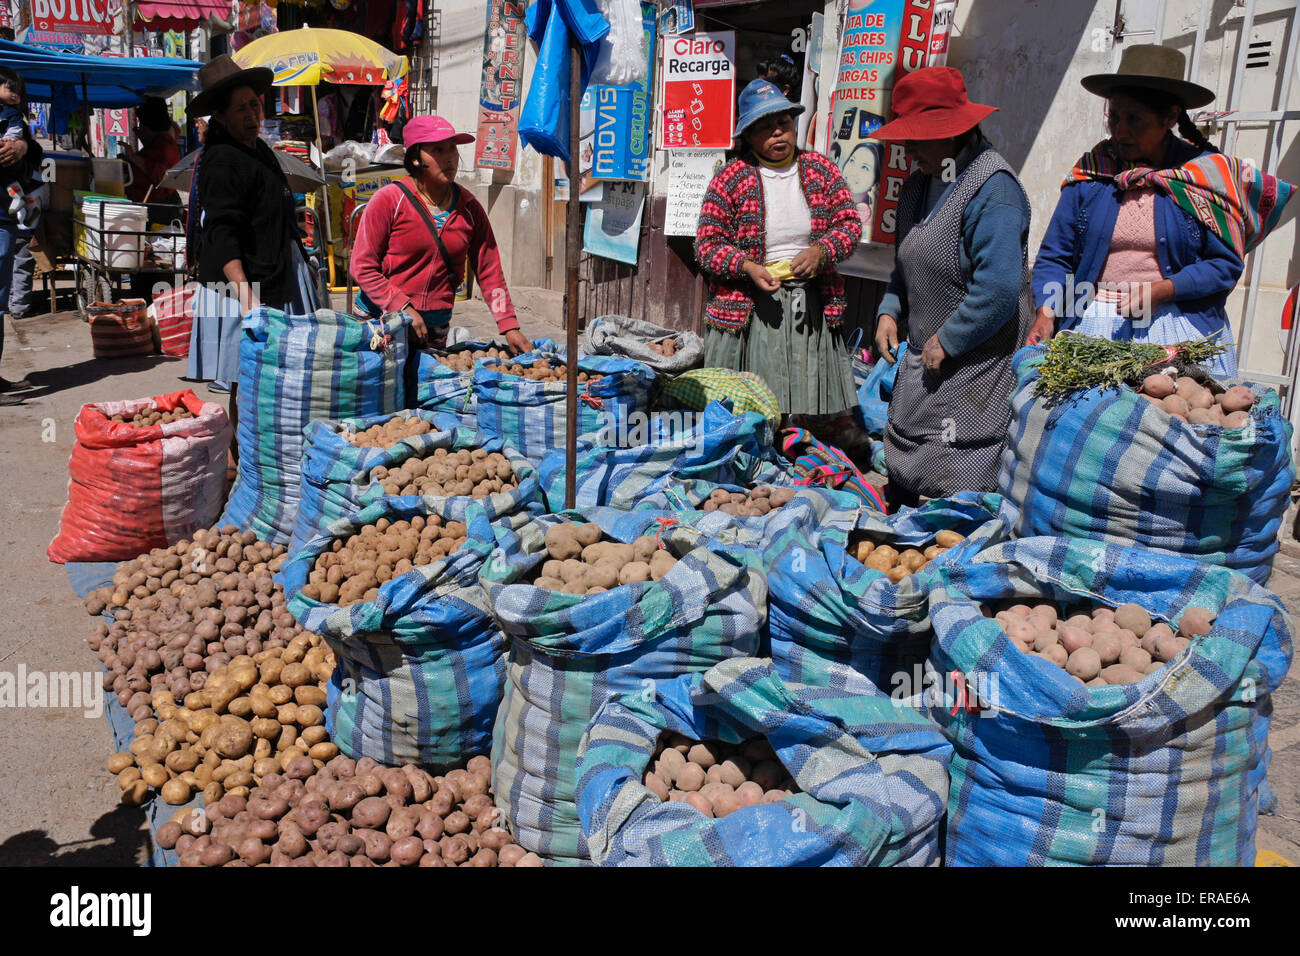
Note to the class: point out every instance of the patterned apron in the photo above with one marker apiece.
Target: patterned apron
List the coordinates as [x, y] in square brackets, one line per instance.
[946, 431]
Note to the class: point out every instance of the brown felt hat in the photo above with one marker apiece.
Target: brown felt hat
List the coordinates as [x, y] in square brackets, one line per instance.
[223, 73]
[1153, 67]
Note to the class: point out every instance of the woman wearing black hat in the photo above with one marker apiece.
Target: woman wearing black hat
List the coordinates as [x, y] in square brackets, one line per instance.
[1148, 236]
[249, 251]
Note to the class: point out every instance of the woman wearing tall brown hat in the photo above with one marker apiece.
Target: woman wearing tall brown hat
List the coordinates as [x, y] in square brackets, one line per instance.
[244, 230]
[1148, 236]
[959, 293]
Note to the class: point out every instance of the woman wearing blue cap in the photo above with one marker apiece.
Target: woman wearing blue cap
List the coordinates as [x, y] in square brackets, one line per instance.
[773, 224]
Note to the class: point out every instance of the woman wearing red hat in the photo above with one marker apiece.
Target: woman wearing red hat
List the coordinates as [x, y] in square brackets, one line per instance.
[416, 235]
[959, 293]
[772, 226]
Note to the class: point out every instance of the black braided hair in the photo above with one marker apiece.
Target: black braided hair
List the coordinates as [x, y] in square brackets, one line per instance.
[1190, 132]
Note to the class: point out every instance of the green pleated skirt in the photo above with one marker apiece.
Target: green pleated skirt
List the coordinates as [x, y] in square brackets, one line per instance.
[788, 345]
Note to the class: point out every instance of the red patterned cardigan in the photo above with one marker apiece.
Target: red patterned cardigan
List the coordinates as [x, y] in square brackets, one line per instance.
[732, 229]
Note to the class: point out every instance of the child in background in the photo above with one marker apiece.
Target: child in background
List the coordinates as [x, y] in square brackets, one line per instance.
[16, 177]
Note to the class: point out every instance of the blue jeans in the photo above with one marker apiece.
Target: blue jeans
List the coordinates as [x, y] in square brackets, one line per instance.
[24, 271]
[8, 247]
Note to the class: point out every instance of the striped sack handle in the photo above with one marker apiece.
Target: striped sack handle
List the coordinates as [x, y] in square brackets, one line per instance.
[821, 464]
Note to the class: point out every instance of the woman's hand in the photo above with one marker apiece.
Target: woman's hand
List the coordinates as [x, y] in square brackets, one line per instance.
[12, 150]
[518, 342]
[1043, 327]
[760, 276]
[418, 332]
[932, 355]
[1141, 298]
[886, 337]
[809, 262]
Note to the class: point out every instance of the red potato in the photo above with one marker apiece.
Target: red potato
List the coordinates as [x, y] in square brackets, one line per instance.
[1158, 386]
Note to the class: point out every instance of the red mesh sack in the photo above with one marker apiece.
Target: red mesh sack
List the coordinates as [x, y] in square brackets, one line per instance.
[134, 489]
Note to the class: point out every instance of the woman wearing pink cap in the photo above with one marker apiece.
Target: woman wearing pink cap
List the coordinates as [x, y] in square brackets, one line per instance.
[416, 235]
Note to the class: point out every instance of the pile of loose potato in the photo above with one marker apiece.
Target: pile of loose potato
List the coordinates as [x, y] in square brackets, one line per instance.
[542, 370]
[390, 432]
[717, 778]
[255, 716]
[185, 611]
[353, 569]
[758, 502]
[352, 813]
[1102, 645]
[900, 564]
[469, 471]
[154, 417]
[581, 563]
[463, 360]
[666, 346]
[1188, 400]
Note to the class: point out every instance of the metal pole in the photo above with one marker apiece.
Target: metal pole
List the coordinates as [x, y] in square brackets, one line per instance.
[1281, 102]
[1199, 44]
[325, 195]
[572, 248]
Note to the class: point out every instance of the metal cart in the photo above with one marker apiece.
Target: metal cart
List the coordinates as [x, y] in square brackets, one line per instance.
[115, 241]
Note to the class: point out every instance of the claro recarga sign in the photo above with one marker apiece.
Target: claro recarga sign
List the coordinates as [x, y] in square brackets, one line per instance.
[699, 90]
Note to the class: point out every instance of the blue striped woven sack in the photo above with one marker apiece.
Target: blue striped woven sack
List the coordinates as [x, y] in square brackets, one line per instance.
[826, 608]
[336, 474]
[441, 388]
[1169, 771]
[874, 775]
[421, 667]
[1108, 464]
[875, 393]
[811, 513]
[531, 415]
[620, 473]
[570, 653]
[294, 369]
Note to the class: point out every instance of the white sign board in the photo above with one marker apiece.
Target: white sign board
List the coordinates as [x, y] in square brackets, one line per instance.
[689, 173]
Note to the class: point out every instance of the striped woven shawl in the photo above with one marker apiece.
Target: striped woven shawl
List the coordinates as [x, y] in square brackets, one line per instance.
[1237, 202]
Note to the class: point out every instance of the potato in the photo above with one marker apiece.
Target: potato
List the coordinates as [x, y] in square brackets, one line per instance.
[1108, 648]
[690, 777]
[1072, 638]
[660, 564]
[1135, 658]
[1153, 634]
[1239, 398]
[1158, 386]
[1084, 663]
[562, 542]
[1195, 621]
[119, 762]
[948, 539]
[1043, 639]
[1133, 617]
[1121, 674]
[1057, 655]
[703, 755]
[1236, 420]
[1177, 406]
[880, 559]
